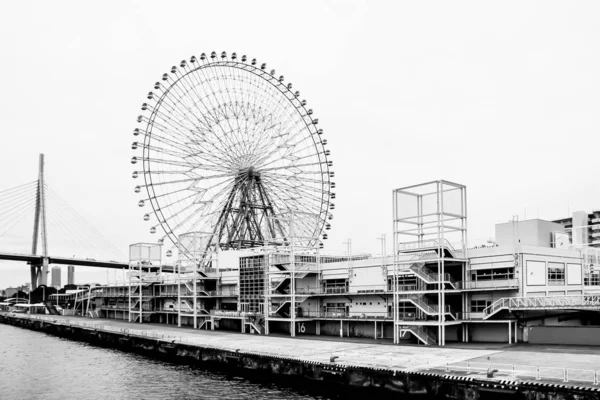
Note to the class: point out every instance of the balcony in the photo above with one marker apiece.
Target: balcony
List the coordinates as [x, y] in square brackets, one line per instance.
[371, 316]
[492, 284]
[342, 290]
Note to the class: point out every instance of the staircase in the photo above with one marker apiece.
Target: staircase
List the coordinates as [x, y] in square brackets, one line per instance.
[430, 277]
[257, 323]
[51, 308]
[421, 302]
[419, 332]
[283, 308]
[281, 284]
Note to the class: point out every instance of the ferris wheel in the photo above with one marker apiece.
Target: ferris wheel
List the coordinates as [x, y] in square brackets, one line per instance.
[226, 148]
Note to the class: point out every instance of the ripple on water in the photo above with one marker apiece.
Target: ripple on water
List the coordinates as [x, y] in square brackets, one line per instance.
[35, 365]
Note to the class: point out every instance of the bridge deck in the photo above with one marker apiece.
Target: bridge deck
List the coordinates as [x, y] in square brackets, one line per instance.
[82, 262]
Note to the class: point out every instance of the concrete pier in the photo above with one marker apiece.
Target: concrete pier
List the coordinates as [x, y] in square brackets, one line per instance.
[460, 373]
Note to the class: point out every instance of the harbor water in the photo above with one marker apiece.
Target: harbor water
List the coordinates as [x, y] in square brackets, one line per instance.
[34, 365]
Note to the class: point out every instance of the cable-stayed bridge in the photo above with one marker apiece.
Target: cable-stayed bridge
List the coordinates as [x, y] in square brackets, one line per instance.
[69, 230]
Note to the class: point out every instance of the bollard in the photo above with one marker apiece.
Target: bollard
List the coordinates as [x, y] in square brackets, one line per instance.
[513, 370]
[538, 373]
[595, 377]
[468, 368]
[566, 374]
[446, 365]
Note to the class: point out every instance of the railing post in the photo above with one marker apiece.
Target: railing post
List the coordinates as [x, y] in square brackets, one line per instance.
[468, 368]
[538, 373]
[595, 377]
[513, 370]
[566, 374]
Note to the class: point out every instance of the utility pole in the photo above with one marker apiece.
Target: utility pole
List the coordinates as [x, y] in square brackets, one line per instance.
[39, 272]
[383, 247]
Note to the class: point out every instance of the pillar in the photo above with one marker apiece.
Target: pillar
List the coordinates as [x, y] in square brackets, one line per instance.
[375, 330]
[318, 328]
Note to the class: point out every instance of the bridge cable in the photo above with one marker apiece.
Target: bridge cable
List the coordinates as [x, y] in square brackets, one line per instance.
[77, 219]
[68, 216]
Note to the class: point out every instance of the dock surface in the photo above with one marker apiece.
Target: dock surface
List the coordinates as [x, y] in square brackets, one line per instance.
[552, 364]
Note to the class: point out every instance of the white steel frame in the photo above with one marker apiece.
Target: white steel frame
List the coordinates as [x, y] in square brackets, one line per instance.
[432, 226]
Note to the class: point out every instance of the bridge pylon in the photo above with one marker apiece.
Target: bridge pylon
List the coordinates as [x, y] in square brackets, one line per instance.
[39, 271]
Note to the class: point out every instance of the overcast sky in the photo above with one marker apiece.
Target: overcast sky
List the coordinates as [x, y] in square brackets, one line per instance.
[500, 96]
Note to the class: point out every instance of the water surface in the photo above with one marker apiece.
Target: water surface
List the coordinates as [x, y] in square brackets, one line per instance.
[34, 365]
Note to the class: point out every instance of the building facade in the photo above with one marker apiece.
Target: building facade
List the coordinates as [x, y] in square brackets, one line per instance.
[432, 290]
[582, 228]
[56, 277]
[70, 275]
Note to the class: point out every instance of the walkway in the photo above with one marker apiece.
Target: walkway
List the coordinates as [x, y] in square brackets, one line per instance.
[463, 359]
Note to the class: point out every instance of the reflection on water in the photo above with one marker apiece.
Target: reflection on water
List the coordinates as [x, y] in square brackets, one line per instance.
[34, 365]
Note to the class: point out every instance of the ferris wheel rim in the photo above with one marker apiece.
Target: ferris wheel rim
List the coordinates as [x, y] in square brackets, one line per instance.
[285, 90]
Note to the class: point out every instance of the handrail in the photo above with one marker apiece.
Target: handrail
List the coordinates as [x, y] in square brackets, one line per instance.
[489, 284]
[569, 301]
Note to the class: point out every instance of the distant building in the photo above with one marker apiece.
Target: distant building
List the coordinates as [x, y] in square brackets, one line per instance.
[9, 292]
[56, 271]
[70, 275]
[583, 229]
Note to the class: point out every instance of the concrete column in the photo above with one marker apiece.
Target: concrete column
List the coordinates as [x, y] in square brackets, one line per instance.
[509, 332]
[212, 323]
[375, 330]
[341, 328]
[516, 333]
[318, 328]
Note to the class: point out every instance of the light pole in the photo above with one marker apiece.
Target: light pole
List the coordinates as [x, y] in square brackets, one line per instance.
[349, 243]
[383, 246]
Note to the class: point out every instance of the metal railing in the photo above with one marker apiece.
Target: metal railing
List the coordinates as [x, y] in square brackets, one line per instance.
[422, 303]
[491, 284]
[424, 244]
[346, 315]
[529, 371]
[565, 302]
[354, 289]
[227, 313]
[420, 333]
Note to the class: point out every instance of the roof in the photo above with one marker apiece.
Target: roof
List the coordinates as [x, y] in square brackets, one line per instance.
[29, 305]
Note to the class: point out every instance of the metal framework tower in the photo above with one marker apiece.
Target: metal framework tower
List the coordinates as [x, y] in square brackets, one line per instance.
[430, 237]
[39, 272]
[286, 265]
[144, 269]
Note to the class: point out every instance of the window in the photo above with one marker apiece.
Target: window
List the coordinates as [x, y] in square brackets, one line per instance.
[493, 274]
[556, 274]
[479, 305]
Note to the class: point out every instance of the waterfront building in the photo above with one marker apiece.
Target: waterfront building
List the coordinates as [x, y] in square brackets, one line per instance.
[56, 272]
[582, 228]
[70, 275]
[10, 291]
[434, 288]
